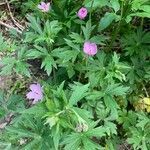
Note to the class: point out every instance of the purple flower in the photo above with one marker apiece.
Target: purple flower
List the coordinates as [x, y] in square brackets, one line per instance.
[36, 93]
[44, 7]
[82, 13]
[90, 48]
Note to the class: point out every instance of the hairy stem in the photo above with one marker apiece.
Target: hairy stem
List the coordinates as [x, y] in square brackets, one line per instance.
[117, 28]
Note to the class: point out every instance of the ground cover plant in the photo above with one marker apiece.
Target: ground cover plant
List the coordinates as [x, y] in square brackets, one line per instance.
[74, 75]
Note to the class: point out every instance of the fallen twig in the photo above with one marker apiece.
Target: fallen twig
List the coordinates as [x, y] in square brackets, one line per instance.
[11, 15]
[10, 27]
[2, 3]
[6, 121]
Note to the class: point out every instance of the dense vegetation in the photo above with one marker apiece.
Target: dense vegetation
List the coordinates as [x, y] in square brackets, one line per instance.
[79, 74]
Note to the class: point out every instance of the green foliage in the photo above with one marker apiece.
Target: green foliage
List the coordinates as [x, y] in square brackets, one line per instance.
[3, 44]
[140, 8]
[89, 102]
[140, 135]
[17, 65]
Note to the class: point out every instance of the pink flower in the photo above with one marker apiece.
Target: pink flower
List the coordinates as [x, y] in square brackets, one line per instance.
[36, 93]
[90, 48]
[44, 7]
[82, 13]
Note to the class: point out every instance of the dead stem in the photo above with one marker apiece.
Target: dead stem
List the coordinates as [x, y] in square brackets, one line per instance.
[10, 27]
[11, 15]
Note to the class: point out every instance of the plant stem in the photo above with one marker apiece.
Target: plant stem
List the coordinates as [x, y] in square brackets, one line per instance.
[142, 22]
[144, 88]
[54, 75]
[91, 10]
[118, 28]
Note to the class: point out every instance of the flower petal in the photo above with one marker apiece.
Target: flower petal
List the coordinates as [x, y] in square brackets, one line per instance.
[30, 95]
[82, 13]
[36, 88]
[90, 48]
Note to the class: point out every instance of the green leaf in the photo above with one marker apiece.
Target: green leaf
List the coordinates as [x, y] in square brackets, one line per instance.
[136, 138]
[96, 132]
[35, 54]
[72, 141]
[8, 65]
[21, 132]
[15, 103]
[5, 146]
[115, 5]
[79, 91]
[35, 24]
[97, 3]
[112, 105]
[142, 121]
[70, 71]
[110, 128]
[3, 44]
[128, 119]
[88, 144]
[61, 53]
[83, 113]
[37, 110]
[116, 89]
[71, 44]
[99, 39]
[47, 64]
[56, 137]
[77, 38]
[106, 20]
[22, 68]
[87, 30]
[140, 14]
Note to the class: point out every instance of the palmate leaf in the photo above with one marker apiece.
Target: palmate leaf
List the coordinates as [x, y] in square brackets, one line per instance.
[56, 139]
[72, 45]
[86, 115]
[116, 90]
[72, 141]
[97, 132]
[61, 53]
[136, 138]
[5, 146]
[22, 68]
[99, 39]
[112, 105]
[48, 63]
[35, 24]
[79, 141]
[37, 52]
[8, 63]
[88, 144]
[51, 29]
[110, 128]
[32, 144]
[128, 119]
[143, 120]
[21, 132]
[79, 91]
[83, 140]
[87, 30]
[76, 38]
[3, 44]
[38, 110]
[70, 70]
